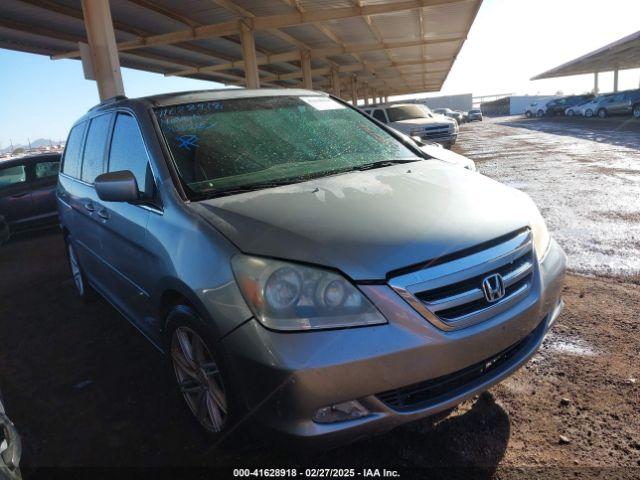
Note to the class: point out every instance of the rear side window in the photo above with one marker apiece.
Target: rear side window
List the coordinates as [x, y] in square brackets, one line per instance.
[12, 175]
[95, 146]
[73, 151]
[129, 153]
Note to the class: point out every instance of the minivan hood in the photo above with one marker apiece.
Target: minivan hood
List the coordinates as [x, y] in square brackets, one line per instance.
[367, 224]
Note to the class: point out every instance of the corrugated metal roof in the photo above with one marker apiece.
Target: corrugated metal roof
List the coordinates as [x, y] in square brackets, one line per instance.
[398, 38]
[621, 54]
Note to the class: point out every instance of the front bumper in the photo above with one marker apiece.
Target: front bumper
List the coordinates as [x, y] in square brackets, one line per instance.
[283, 378]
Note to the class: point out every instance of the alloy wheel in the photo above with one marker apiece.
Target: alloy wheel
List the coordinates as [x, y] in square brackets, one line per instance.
[636, 111]
[602, 113]
[570, 113]
[588, 113]
[75, 270]
[199, 378]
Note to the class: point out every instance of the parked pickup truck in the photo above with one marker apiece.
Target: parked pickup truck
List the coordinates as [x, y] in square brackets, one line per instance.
[417, 121]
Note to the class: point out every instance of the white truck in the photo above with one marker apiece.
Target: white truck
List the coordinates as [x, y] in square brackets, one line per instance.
[416, 120]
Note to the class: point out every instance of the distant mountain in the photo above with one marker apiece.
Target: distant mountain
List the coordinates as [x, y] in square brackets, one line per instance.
[38, 142]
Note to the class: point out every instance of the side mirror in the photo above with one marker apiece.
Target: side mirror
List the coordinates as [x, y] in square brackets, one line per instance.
[118, 186]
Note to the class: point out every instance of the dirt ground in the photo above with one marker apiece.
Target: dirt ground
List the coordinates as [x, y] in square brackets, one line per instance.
[84, 388]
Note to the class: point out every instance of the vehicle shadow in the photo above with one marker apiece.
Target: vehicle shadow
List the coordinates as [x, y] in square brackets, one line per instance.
[469, 443]
[619, 131]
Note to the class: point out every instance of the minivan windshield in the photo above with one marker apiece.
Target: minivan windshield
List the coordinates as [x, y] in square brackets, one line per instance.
[408, 112]
[236, 144]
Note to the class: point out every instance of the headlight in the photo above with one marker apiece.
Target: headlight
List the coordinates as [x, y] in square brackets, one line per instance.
[541, 237]
[288, 296]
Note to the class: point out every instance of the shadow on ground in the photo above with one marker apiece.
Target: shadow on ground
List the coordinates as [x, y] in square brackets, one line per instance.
[620, 131]
[84, 388]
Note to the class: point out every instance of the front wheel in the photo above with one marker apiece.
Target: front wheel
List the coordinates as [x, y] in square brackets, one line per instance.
[636, 111]
[602, 113]
[83, 288]
[199, 372]
[570, 113]
[528, 114]
[540, 113]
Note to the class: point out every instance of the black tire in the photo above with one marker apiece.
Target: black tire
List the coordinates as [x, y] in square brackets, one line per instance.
[636, 111]
[602, 113]
[528, 114]
[570, 113]
[588, 113]
[540, 113]
[83, 288]
[183, 319]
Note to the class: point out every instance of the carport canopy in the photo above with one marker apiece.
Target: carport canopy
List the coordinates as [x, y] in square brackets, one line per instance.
[622, 54]
[356, 49]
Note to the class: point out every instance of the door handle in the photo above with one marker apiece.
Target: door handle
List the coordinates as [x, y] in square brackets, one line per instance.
[20, 195]
[103, 214]
[89, 207]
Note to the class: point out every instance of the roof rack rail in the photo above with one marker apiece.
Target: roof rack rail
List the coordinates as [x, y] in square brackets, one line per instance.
[109, 100]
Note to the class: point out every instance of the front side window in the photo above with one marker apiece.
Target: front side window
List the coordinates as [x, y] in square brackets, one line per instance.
[73, 151]
[408, 112]
[12, 175]
[129, 153]
[94, 150]
[238, 143]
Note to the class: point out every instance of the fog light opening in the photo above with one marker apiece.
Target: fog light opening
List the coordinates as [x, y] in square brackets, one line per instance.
[340, 412]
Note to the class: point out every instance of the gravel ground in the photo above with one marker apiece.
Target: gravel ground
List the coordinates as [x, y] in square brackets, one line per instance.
[85, 389]
[584, 174]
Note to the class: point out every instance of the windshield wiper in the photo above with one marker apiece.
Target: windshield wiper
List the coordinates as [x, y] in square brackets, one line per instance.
[385, 163]
[244, 189]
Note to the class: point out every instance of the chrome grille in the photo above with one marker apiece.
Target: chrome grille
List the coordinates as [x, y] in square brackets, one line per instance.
[450, 294]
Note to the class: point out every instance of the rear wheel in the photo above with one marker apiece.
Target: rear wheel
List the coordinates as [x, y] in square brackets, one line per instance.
[540, 113]
[570, 113]
[588, 113]
[528, 114]
[602, 113]
[636, 111]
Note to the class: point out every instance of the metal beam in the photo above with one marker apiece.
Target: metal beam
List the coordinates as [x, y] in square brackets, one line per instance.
[335, 82]
[354, 90]
[102, 43]
[249, 55]
[74, 13]
[307, 80]
[232, 27]
[318, 53]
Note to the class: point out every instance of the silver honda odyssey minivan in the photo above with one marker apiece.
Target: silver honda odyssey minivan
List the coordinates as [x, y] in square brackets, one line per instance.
[301, 265]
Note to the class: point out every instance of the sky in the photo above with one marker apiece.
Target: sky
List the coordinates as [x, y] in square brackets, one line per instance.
[510, 42]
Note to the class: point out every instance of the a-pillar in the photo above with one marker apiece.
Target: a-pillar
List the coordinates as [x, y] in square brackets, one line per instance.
[252, 78]
[104, 50]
